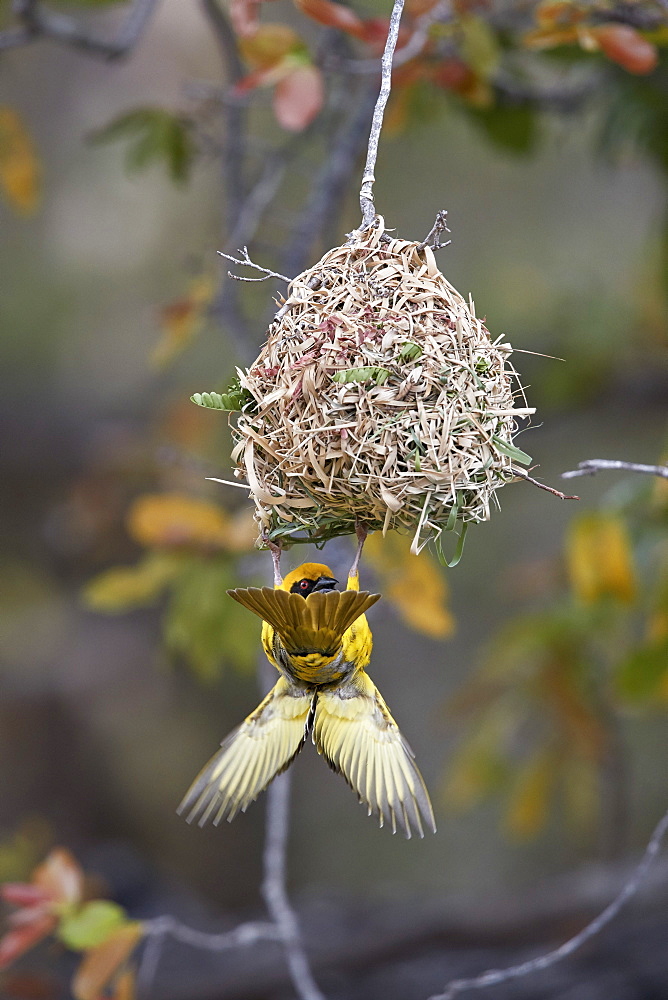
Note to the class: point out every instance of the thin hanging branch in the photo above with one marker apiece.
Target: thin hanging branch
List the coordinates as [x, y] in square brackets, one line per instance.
[593, 465]
[495, 976]
[275, 892]
[36, 22]
[366, 191]
[521, 474]
[245, 261]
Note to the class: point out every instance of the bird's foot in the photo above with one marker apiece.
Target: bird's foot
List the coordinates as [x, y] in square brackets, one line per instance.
[276, 551]
[361, 533]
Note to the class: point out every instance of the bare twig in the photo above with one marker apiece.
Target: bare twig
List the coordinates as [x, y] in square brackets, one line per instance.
[366, 192]
[14, 37]
[227, 305]
[39, 22]
[593, 465]
[245, 261]
[521, 474]
[330, 181]
[495, 976]
[440, 226]
[441, 12]
[275, 893]
[158, 929]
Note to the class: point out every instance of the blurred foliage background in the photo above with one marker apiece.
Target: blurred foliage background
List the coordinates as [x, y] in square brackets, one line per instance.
[532, 680]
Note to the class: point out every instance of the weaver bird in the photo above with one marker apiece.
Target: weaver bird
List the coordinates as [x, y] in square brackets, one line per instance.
[320, 642]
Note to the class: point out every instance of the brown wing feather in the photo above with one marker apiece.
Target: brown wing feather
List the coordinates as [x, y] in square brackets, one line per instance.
[316, 623]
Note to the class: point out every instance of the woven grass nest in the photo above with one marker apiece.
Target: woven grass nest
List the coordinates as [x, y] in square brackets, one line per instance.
[378, 397]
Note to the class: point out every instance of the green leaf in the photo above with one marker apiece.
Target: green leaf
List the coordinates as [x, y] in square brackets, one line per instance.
[480, 47]
[511, 451]
[638, 677]
[510, 127]
[154, 136]
[410, 351]
[372, 373]
[459, 548]
[204, 626]
[236, 398]
[125, 587]
[91, 925]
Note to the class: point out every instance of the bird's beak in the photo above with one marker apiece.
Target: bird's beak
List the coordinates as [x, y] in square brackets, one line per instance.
[325, 583]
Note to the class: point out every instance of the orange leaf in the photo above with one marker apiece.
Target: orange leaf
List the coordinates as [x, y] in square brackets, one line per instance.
[453, 74]
[624, 45]
[60, 876]
[529, 802]
[102, 963]
[124, 988]
[333, 15]
[550, 38]
[20, 170]
[269, 45]
[558, 13]
[180, 321]
[298, 98]
[169, 520]
[416, 8]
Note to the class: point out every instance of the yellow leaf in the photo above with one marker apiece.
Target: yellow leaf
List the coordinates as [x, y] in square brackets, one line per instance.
[102, 963]
[173, 520]
[581, 792]
[131, 586]
[550, 38]
[242, 531]
[20, 169]
[528, 806]
[124, 988]
[599, 559]
[480, 47]
[269, 44]
[413, 584]
[181, 320]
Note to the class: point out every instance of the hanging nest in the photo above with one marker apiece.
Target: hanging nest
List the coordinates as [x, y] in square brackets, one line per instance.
[378, 397]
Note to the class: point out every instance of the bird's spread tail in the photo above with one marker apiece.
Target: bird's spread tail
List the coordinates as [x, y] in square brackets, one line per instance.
[354, 731]
[315, 623]
[251, 756]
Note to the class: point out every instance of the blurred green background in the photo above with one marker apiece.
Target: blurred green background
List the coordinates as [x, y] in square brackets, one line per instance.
[101, 730]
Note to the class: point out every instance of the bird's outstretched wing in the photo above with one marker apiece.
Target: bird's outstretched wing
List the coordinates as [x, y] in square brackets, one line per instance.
[355, 732]
[316, 623]
[252, 755]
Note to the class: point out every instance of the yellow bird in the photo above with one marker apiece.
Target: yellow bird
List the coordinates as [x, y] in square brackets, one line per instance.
[319, 640]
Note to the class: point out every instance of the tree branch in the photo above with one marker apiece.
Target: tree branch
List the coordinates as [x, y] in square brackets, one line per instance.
[366, 191]
[37, 22]
[245, 261]
[593, 465]
[227, 306]
[442, 13]
[521, 474]
[495, 976]
[275, 893]
[329, 183]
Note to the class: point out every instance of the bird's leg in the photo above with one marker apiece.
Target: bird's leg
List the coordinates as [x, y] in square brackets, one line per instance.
[276, 559]
[361, 533]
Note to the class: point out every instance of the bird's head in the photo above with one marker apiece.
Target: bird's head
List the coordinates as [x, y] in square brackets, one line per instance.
[308, 579]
